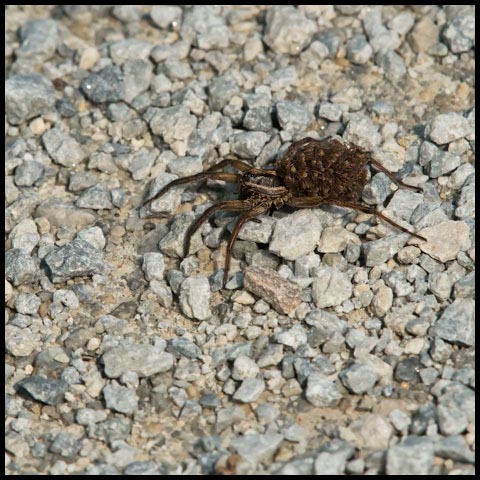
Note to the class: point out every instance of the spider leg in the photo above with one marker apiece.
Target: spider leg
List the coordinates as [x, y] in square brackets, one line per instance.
[380, 167]
[246, 217]
[310, 202]
[239, 165]
[226, 177]
[232, 205]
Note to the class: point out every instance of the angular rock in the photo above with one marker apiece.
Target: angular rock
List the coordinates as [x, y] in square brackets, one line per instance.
[75, 259]
[50, 392]
[283, 295]
[145, 360]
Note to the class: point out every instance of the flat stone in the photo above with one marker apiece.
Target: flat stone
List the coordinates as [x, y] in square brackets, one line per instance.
[283, 295]
[65, 214]
[448, 127]
[121, 399]
[445, 240]
[413, 456]
[321, 391]
[28, 96]
[75, 259]
[106, 85]
[296, 235]
[194, 297]
[330, 287]
[250, 390]
[20, 267]
[62, 148]
[145, 360]
[50, 392]
[287, 29]
[457, 323]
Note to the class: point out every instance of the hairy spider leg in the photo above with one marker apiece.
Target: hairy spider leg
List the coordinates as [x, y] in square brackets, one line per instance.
[232, 205]
[226, 177]
[246, 217]
[242, 166]
[311, 202]
[380, 167]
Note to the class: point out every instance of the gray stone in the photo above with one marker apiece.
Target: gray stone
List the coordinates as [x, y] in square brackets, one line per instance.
[413, 456]
[121, 399]
[96, 198]
[258, 118]
[87, 416]
[183, 347]
[287, 30]
[244, 367]
[379, 251]
[460, 33]
[27, 303]
[256, 447]
[282, 78]
[153, 266]
[50, 392]
[25, 235]
[194, 297]
[455, 448]
[330, 287]
[293, 337]
[165, 15]
[166, 203]
[185, 166]
[137, 76]
[455, 409]
[176, 69]
[296, 234]
[256, 232]
[178, 50]
[79, 181]
[359, 377]
[457, 323]
[362, 132]
[27, 173]
[27, 96]
[466, 202]
[172, 123]
[321, 391]
[172, 244]
[94, 236]
[359, 50]
[217, 37]
[104, 86]
[66, 445]
[248, 144]
[293, 116]
[448, 127]
[221, 90]
[465, 286]
[249, 390]
[39, 40]
[392, 64]
[20, 267]
[20, 341]
[129, 49]
[145, 360]
[64, 214]
[63, 148]
[75, 259]
[332, 111]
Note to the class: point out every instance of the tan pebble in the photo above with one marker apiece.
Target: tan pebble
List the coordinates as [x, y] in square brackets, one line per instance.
[89, 58]
[37, 126]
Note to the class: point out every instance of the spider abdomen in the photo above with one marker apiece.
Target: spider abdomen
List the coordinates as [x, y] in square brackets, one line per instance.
[326, 168]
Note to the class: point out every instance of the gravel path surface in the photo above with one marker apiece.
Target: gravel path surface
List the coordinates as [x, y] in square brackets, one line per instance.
[339, 345]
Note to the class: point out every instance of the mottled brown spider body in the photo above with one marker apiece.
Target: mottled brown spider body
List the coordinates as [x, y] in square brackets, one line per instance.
[311, 173]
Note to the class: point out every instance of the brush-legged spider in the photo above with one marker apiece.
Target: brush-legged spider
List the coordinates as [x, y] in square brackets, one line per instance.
[311, 173]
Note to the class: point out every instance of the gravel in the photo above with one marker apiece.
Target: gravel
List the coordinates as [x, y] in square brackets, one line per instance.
[339, 345]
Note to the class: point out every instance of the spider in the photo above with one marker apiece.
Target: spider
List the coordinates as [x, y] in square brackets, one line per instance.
[311, 173]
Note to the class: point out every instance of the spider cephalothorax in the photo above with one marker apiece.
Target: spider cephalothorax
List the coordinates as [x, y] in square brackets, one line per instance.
[311, 173]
